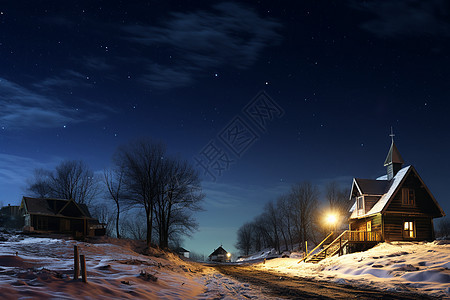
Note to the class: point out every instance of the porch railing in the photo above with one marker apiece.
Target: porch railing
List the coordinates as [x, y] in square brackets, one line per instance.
[363, 236]
[337, 245]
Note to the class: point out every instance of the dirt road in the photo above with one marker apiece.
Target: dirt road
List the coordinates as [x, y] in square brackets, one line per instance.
[283, 286]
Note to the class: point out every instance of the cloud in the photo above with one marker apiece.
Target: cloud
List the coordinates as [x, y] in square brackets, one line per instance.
[21, 107]
[96, 64]
[406, 17]
[68, 78]
[235, 196]
[201, 41]
[16, 169]
[14, 173]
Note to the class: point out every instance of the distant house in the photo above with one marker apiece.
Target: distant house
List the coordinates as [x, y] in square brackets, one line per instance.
[220, 255]
[59, 215]
[10, 217]
[395, 207]
[183, 252]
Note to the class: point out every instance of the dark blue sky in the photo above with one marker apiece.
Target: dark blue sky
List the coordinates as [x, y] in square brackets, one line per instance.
[79, 78]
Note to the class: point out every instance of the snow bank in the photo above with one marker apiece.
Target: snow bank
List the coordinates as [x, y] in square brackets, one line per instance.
[399, 266]
[42, 268]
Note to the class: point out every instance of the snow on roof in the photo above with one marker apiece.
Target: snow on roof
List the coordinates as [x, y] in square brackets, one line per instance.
[353, 207]
[382, 177]
[395, 182]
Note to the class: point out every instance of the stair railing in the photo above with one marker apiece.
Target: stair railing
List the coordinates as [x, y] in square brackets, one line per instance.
[311, 252]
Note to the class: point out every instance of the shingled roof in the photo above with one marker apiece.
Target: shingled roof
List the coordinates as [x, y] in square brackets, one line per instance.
[372, 186]
[51, 206]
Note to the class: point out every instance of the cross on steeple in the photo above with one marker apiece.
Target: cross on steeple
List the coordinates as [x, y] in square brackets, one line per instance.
[392, 134]
[393, 160]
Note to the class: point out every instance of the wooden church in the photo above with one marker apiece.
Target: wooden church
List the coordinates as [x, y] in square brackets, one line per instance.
[395, 207]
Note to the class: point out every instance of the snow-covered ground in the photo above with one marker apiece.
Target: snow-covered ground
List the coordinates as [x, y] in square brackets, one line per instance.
[397, 266]
[33, 268]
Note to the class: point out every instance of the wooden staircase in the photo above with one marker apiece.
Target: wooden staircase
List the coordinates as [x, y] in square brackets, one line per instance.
[338, 244]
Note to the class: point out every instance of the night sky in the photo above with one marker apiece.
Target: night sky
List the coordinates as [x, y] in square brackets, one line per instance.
[79, 78]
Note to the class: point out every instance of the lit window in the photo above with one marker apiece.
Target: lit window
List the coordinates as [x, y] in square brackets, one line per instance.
[408, 197]
[408, 229]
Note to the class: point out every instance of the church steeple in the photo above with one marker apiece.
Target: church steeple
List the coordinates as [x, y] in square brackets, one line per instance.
[394, 160]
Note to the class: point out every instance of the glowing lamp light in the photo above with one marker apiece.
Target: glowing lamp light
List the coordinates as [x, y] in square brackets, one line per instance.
[228, 255]
[331, 219]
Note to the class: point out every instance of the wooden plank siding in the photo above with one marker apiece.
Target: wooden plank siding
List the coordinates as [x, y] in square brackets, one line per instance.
[369, 202]
[360, 224]
[423, 201]
[393, 228]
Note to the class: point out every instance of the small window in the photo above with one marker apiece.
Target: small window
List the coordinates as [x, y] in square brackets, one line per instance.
[408, 229]
[360, 205]
[369, 226]
[408, 197]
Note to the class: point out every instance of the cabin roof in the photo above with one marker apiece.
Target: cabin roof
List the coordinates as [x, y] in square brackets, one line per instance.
[393, 186]
[395, 183]
[372, 186]
[381, 203]
[51, 206]
[218, 251]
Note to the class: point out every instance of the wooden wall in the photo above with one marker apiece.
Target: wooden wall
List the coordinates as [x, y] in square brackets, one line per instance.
[423, 203]
[393, 228]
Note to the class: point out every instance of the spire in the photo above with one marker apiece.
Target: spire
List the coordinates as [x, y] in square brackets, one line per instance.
[393, 156]
[394, 160]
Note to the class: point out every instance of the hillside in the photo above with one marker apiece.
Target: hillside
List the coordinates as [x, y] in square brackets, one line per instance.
[398, 266]
[42, 268]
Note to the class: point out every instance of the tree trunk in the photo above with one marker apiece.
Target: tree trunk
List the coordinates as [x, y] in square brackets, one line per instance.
[117, 222]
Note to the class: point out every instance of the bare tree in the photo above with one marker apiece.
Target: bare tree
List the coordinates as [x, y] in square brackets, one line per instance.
[39, 185]
[284, 207]
[273, 218]
[142, 162]
[71, 180]
[337, 199]
[132, 226]
[245, 238]
[114, 183]
[444, 228]
[179, 195]
[304, 197]
[103, 214]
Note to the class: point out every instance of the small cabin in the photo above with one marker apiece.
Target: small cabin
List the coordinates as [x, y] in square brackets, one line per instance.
[397, 206]
[59, 216]
[220, 255]
[183, 252]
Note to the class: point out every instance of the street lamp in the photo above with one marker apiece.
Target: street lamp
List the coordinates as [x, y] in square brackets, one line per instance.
[332, 220]
[228, 256]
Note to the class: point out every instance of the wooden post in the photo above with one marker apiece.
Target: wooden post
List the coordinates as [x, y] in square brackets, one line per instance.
[306, 246]
[340, 246]
[76, 263]
[83, 268]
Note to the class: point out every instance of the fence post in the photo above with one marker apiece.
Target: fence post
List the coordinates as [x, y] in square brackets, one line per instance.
[76, 263]
[306, 246]
[340, 246]
[83, 268]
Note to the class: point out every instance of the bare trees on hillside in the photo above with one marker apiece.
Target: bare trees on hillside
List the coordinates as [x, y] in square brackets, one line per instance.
[288, 221]
[167, 188]
[71, 179]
